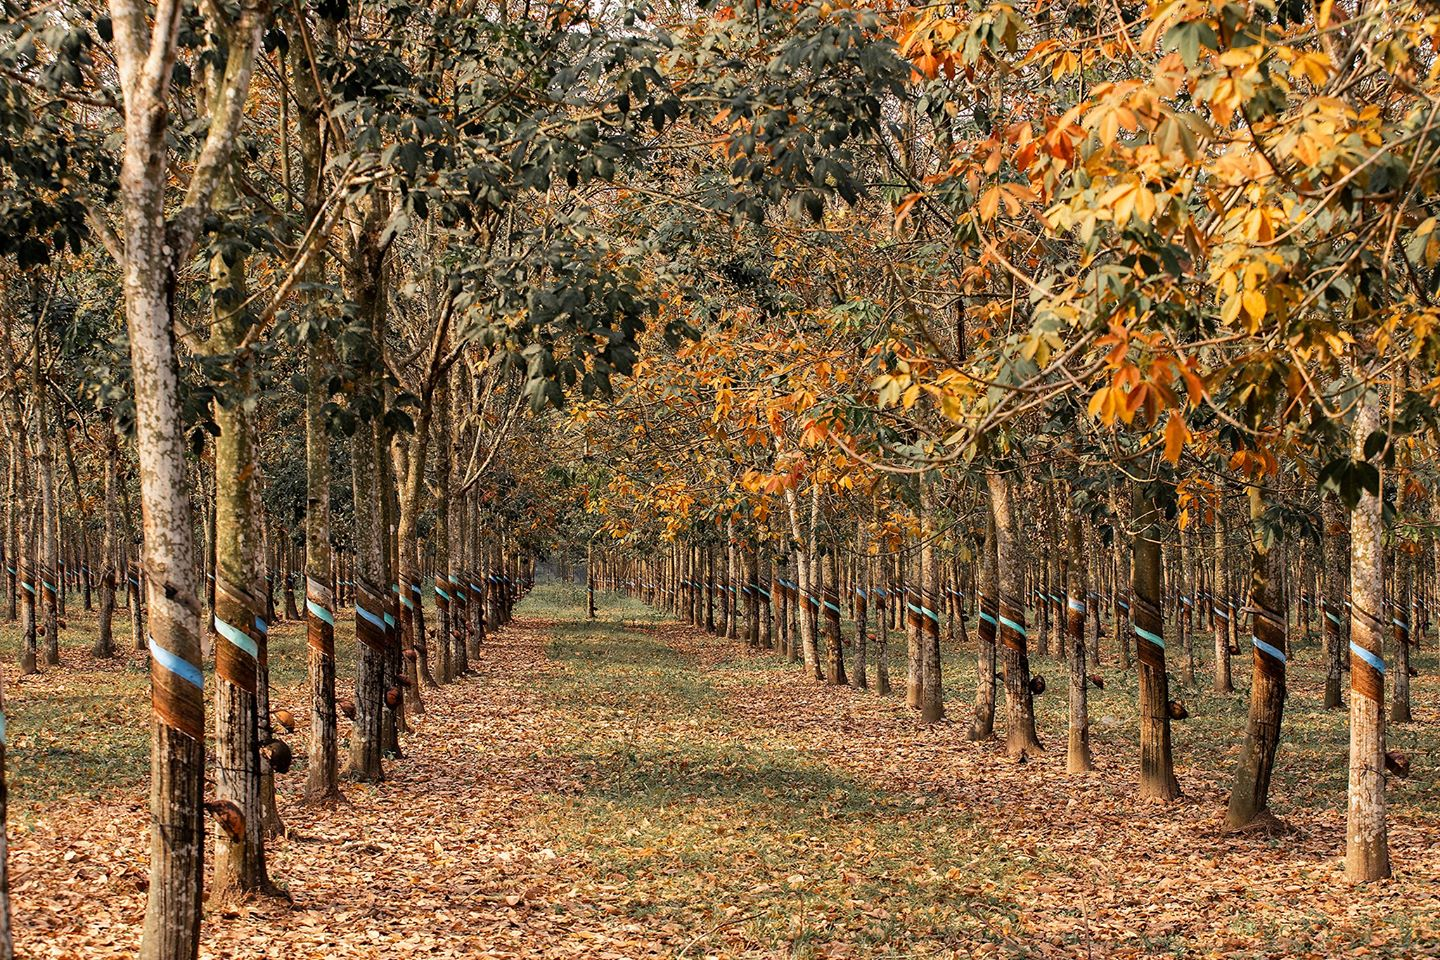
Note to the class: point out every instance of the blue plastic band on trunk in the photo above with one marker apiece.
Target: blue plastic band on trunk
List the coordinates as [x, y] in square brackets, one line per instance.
[1149, 637]
[986, 617]
[1367, 656]
[320, 612]
[832, 606]
[369, 617]
[389, 620]
[262, 626]
[237, 637]
[1007, 622]
[177, 665]
[441, 593]
[1332, 618]
[1267, 649]
[926, 611]
[1077, 605]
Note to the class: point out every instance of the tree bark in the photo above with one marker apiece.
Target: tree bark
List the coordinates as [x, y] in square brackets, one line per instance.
[1020, 737]
[1248, 798]
[982, 723]
[1077, 758]
[1157, 771]
[1367, 850]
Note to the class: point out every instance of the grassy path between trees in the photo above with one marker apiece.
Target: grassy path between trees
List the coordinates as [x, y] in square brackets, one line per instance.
[632, 788]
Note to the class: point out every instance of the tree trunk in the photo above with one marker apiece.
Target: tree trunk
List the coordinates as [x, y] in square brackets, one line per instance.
[982, 724]
[371, 586]
[1249, 796]
[859, 676]
[927, 595]
[1220, 606]
[1077, 758]
[105, 638]
[240, 615]
[834, 643]
[1020, 739]
[1367, 851]
[1333, 579]
[1157, 771]
[1400, 631]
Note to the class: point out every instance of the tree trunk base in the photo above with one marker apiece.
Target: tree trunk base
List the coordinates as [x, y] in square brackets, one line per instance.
[1264, 822]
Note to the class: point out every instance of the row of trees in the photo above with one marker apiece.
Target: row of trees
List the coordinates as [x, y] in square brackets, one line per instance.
[1145, 285]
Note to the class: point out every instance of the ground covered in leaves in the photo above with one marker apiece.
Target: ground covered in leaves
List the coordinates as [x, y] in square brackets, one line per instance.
[635, 788]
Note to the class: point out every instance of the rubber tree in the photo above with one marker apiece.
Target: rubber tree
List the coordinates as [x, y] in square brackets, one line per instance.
[1021, 739]
[1267, 684]
[240, 613]
[982, 723]
[151, 248]
[1220, 607]
[1367, 849]
[1077, 757]
[1332, 604]
[1157, 770]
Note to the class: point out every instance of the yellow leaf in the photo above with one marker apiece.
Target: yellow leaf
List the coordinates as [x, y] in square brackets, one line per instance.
[1255, 305]
[1097, 401]
[989, 204]
[1176, 435]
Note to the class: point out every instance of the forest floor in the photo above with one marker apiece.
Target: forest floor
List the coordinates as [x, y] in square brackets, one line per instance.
[635, 788]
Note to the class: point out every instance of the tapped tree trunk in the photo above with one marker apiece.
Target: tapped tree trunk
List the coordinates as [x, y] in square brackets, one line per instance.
[47, 552]
[1182, 590]
[444, 628]
[927, 595]
[150, 252]
[240, 614]
[804, 587]
[1220, 607]
[834, 643]
[322, 775]
[1077, 758]
[859, 677]
[982, 724]
[1335, 531]
[371, 603]
[1367, 849]
[882, 594]
[1157, 764]
[1021, 739]
[1399, 621]
[105, 637]
[21, 508]
[914, 636]
[1249, 796]
[1157, 771]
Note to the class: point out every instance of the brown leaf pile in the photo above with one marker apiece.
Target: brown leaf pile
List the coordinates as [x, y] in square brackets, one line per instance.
[446, 859]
